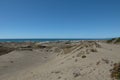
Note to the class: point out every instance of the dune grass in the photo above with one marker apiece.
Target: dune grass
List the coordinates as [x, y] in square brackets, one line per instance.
[115, 73]
[5, 50]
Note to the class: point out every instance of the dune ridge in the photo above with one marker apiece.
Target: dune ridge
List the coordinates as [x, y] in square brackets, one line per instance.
[65, 60]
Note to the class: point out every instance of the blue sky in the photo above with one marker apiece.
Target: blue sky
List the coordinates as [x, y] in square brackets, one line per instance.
[59, 18]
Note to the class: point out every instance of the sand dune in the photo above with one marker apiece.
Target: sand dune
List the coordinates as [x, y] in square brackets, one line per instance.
[68, 61]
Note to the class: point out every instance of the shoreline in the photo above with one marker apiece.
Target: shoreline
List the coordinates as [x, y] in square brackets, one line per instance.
[51, 40]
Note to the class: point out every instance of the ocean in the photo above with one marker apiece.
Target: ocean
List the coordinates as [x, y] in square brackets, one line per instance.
[44, 40]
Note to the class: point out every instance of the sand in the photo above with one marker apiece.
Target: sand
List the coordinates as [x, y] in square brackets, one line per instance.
[83, 61]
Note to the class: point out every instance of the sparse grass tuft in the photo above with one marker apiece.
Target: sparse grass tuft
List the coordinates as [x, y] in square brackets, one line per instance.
[93, 50]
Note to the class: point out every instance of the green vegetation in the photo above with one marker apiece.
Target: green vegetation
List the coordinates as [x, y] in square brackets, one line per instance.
[115, 72]
[111, 40]
[118, 40]
[5, 50]
[114, 40]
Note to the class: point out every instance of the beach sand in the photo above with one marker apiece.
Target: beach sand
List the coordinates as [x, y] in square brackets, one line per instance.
[66, 61]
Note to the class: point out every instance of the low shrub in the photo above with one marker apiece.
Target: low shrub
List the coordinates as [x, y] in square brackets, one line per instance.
[5, 50]
[115, 72]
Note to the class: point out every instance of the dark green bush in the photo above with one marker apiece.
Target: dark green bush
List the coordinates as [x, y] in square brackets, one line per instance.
[117, 40]
[111, 40]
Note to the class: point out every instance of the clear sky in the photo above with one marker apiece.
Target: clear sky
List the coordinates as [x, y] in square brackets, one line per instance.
[59, 18]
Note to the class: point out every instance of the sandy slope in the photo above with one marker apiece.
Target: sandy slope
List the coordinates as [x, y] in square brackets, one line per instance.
[38, 65]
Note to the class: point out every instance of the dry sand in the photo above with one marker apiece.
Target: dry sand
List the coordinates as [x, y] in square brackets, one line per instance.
[84, 61]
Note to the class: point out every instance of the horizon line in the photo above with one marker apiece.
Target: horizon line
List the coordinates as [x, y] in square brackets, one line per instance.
[60, 38]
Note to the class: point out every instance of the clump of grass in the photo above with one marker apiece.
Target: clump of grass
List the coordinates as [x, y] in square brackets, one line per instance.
[56, 72]
[93, 50]
[68, 42]
[76, 74]
[98, 63]
[59, 77]
[115, 72]
[83, 56]
[106, 61]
